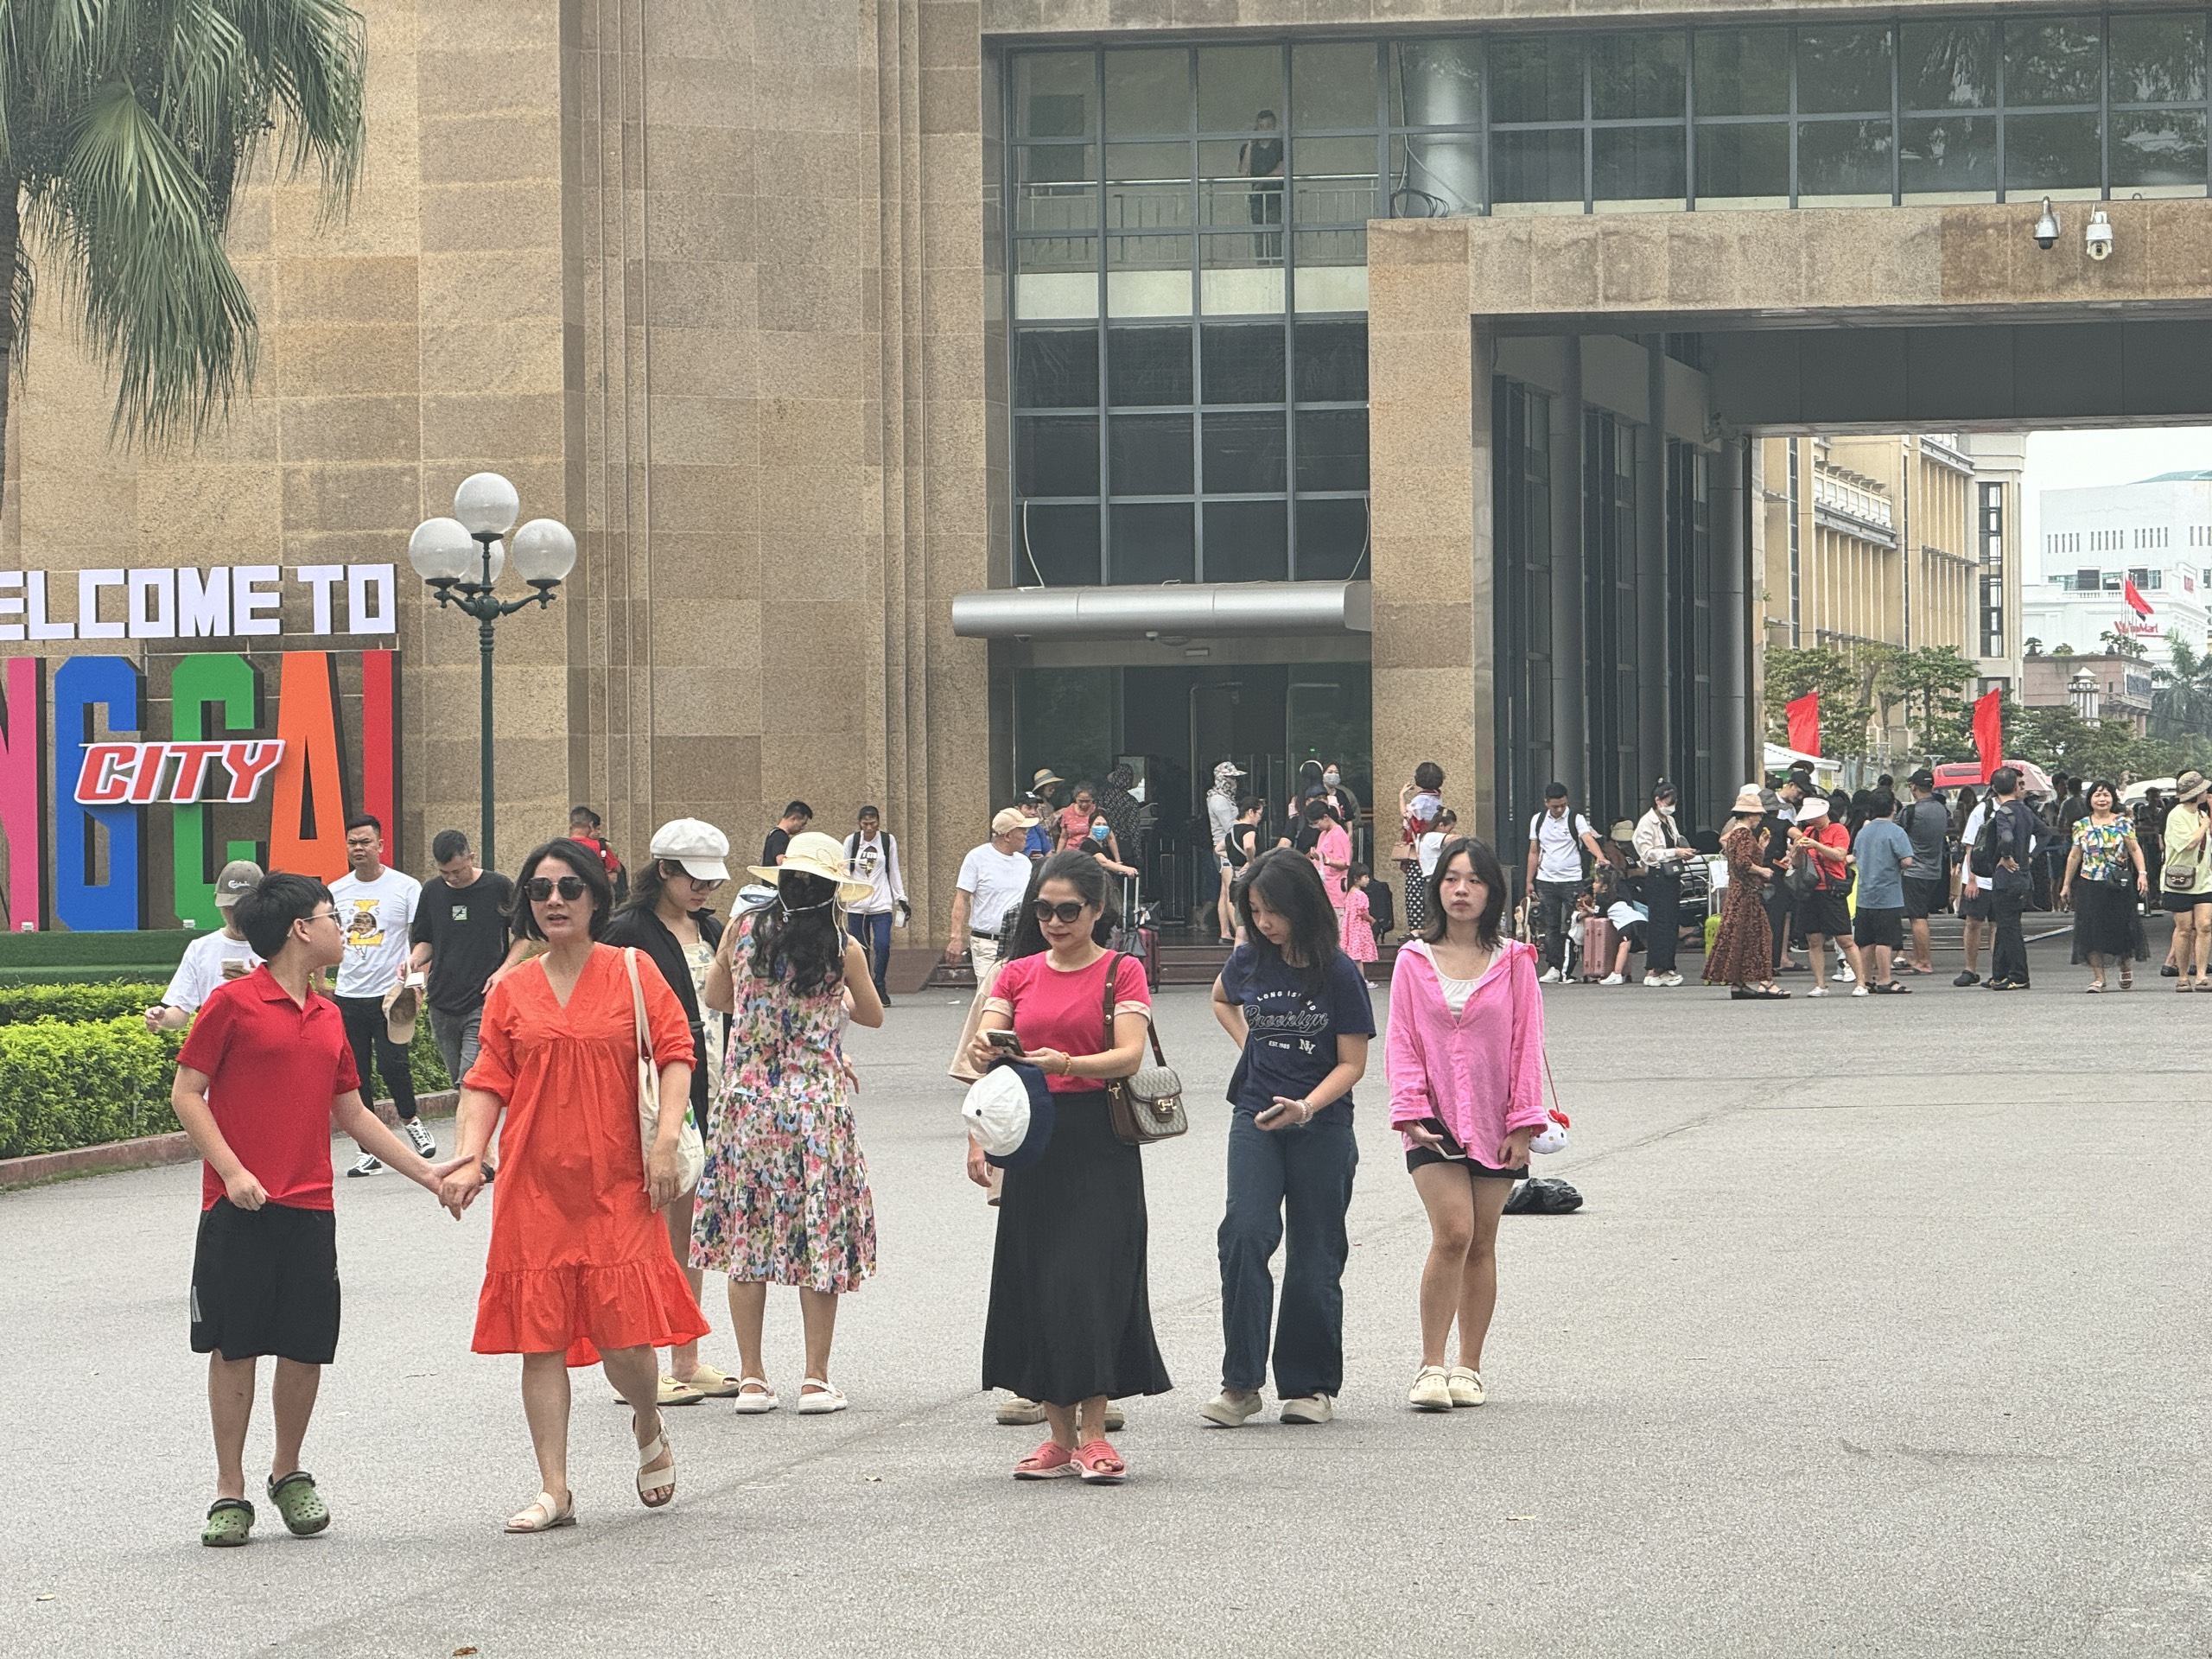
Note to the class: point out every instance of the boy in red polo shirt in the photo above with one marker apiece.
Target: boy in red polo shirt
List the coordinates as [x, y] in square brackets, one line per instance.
[265, 1072]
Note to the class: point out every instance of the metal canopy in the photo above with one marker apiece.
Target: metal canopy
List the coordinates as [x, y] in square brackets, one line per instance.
[1199, 609]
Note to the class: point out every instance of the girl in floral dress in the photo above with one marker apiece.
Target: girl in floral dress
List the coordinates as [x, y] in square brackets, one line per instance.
[1356, 917]
[783, 1199]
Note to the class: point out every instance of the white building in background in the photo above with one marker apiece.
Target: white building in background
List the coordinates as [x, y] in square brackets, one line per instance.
[2157, 533]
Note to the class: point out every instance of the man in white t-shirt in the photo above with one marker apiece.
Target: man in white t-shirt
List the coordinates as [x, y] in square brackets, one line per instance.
[1976, 908]
[211, 958]
[1557, 837]
[993, 879]
[375, 906]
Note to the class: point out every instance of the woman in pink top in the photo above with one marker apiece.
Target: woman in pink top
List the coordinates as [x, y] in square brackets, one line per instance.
[1332, 850]
[1070, 1323]
[1465, 1060]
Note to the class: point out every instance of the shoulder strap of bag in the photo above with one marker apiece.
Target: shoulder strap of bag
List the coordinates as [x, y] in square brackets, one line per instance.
[1113, 972]
[637, 1004]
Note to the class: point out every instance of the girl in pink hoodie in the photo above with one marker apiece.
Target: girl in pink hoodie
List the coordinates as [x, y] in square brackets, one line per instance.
[1464, 1060]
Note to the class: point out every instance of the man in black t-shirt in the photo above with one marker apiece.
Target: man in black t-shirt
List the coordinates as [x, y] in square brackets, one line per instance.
[460, 935]
[796, 817]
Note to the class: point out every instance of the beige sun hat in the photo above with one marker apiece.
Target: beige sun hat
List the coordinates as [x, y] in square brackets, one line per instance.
[1749, 802]
[2189, 786]
[812, 853]
[402, 1008]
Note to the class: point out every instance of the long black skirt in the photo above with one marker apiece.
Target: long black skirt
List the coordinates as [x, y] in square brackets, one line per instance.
[1070, 1314]
[2104, 921]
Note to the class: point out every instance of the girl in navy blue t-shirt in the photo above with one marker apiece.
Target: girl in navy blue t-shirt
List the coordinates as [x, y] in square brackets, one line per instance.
[1299, 1007]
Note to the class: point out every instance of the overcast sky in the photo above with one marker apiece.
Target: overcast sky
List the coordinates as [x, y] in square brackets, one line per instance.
[2067, 461]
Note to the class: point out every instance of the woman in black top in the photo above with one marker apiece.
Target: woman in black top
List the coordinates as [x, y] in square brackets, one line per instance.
[667, 918]
[1261, 161]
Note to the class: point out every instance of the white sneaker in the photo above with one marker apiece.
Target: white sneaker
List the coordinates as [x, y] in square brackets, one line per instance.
[1308, 1409]
[1612, 979]
[1673, 978]
[1551, 977]
[1843, 972]
[1228, 1410]
[420, 1138]
[369, 1165]
[1818, 990]
[1655, 981]
[1861, 991]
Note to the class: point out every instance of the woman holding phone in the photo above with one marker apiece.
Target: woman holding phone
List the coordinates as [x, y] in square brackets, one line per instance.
[1297, 1007]
[1465, 1063]
[1071, 1313]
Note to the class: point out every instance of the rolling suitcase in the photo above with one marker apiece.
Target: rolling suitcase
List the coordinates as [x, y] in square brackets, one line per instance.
[1599, 943]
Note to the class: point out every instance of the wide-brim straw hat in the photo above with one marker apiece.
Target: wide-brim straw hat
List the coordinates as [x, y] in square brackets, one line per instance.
[2189, 786]
[813, 852]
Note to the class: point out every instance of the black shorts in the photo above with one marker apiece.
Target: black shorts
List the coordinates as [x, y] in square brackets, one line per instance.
[1977, 906]
[1879, 927]
[265, 1281]
[1421, 1157]
[2182, 902]
[1922, 898]
[1825, 911]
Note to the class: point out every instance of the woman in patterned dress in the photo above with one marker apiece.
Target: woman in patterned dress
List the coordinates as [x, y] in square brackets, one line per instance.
[1419, 804]
[784, 1200]
[2105, 877]
[1742, 955]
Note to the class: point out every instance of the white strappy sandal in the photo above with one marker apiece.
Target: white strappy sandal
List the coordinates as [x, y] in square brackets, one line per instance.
[752, 1405]
[817, 1397]
[650, 1479]
[541, 1514]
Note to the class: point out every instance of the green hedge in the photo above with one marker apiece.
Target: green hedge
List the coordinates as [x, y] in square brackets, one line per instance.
[78, 1067]
[107, 1000]
[64, 1085]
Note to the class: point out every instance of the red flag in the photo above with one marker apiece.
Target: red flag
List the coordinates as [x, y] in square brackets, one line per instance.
[1989, 731]
[1805, 723]
[2133, 595]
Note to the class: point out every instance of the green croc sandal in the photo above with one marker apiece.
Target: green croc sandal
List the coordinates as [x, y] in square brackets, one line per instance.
[229, 1520]
[305, 1513]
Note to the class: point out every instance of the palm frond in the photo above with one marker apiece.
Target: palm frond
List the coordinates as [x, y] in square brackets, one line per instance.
[161, 299]
[307, 61]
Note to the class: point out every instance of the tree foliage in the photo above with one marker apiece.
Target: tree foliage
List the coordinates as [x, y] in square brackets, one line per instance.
[126, 128]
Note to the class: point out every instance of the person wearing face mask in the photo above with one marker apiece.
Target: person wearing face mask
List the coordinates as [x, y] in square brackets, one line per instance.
[1100, 841]
[1222, 810]
[1662, 850]
[1343, 804]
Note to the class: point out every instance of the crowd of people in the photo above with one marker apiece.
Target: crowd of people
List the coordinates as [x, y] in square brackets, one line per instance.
[655, 1091]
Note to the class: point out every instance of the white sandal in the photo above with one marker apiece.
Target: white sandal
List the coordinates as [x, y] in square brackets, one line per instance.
[648, 1454]
[541, 1514]
[817, 1397]
[752, 1405]
[1465, 1383]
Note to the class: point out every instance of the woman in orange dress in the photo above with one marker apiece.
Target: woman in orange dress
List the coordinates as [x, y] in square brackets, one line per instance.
[580, 1267]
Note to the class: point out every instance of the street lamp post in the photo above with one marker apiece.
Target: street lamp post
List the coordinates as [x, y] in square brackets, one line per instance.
[485, 508]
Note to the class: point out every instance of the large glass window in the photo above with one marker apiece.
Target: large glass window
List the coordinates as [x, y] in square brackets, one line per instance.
[1187, 225]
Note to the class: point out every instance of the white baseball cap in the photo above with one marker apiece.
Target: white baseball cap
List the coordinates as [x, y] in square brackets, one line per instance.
[697, 845]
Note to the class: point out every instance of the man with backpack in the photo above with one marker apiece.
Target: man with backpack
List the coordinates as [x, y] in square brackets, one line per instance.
[1927, 822]
[1555, 873]
[2004, 855]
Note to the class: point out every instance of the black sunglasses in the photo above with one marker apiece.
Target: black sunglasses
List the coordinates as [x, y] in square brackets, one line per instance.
[1044, 911]
[539, 888]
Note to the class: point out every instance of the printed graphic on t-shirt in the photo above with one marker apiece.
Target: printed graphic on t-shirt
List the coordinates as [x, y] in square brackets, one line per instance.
[868, 860]
[366, 927]
[457, 913]
[1286, 1021]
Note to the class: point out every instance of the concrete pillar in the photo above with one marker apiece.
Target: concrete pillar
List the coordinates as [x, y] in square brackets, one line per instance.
[1733, 501]
[1652, 584]
[1430, 470]
[1570, 740]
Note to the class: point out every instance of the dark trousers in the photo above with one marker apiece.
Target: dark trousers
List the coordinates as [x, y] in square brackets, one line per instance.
[371, 1040]
[2008, 958]
[1662, 897]
[1306, 1173]
[1554, 911]
[874, 934]
[1781, 908]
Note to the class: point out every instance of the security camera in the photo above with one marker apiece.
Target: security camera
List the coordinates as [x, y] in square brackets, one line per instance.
[2047, 227]
[2098, 241]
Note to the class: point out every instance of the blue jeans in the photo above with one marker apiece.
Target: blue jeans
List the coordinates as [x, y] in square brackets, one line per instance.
[1306, 1172]
[874, 934]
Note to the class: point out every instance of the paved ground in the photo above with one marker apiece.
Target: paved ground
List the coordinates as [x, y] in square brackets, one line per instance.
[1882, 1333]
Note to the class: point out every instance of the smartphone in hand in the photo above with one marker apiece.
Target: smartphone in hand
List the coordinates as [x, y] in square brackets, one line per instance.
[1005, 1041]
[1451, 1148]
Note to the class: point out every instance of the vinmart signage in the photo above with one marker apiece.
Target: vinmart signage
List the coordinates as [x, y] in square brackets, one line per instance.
[223, 601]
[119, 779]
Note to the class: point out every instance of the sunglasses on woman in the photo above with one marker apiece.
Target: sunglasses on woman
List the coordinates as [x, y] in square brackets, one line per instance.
[539, 888]
[1065, 913]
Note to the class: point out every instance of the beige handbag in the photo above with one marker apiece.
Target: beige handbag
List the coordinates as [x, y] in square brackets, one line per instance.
[1148, 1107]
[690, 1151]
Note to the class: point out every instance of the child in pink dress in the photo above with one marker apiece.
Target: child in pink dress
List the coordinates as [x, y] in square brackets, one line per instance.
[1355, 920]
